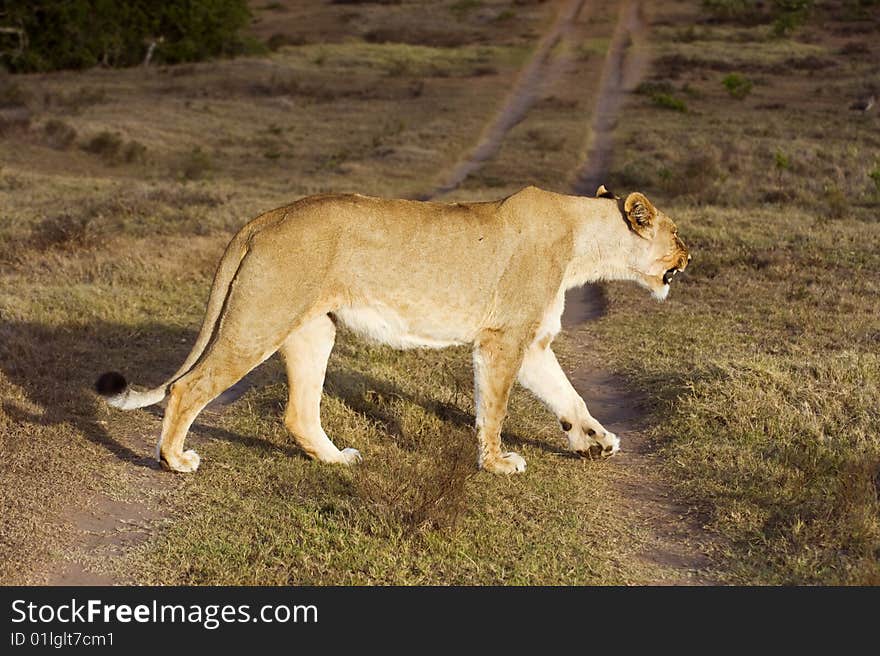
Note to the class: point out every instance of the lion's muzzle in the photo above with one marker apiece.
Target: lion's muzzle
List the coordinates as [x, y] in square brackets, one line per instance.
[670, 273]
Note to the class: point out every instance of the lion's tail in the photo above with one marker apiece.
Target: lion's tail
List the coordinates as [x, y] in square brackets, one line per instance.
[115, 390]
[113, 386]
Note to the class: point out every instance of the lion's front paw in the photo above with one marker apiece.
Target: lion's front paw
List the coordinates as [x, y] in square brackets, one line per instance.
[594, 443]
[610, 444]
[506, 463]
[186, 463]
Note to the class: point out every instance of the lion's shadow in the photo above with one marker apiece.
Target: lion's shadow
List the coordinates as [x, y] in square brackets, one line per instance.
[55, 366]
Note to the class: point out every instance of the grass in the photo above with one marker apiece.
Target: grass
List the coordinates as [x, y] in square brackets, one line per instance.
[767, 352]
[738, 86]
[106, 263]
[762, 366]
[397, 59]
[549, 143]
[668, 101]
[416, 512]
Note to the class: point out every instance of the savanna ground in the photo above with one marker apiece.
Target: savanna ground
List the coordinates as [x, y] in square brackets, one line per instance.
[759, 378]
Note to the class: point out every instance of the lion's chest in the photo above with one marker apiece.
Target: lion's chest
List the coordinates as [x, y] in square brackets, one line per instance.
[382, 324]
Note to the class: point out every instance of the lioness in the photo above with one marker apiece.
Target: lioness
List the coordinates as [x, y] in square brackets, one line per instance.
[412, 274]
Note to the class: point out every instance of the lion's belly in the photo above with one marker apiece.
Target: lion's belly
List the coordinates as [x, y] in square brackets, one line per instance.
[384, 325]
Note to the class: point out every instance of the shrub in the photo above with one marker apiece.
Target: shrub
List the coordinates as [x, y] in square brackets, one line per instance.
[106, 144]
[782, 161]
[67, 232]
[134, 151]
[737, 85]
[59, 135]
[837, 204]
[651, 87]
[11, 93]
[855, 48]
[668, 101]
[875, 176]
[196, 164]
[278, 41]
[785, 15]
[422, 496]
[75, 101]
[729, 9]
[790, 14]
[461, 8]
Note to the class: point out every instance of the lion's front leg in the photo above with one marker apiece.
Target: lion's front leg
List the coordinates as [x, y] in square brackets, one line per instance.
[542, 375]
[497, 357]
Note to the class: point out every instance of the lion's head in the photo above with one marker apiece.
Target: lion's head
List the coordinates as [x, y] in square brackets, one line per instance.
[658, 254]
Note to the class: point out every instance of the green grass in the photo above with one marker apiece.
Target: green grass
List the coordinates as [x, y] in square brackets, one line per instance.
[738, 86]
[668, 101]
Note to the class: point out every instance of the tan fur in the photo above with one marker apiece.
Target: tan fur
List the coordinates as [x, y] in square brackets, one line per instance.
[410, 274]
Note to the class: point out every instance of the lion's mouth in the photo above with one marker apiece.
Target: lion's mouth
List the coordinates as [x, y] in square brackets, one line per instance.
[669, 275]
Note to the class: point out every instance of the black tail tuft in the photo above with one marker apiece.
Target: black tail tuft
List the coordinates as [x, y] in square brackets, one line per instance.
[110, 384]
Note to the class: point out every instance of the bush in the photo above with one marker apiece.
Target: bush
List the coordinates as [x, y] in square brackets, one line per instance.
[77, 34]
[106, 144]
[66, 232]
[782, 161]
[134, 151]
[423, 496]
[59, 135]
[461, 8]
[75, 101]
[737, 85]
[729, 9]
[875, 176]
[785, 15]
[837, 204]
[790, 14]
[197, 164]
[668, 101]
[651, 87]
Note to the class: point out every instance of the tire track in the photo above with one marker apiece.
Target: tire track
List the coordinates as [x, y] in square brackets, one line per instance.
[624, 66]
[539, 71]
[677, 542]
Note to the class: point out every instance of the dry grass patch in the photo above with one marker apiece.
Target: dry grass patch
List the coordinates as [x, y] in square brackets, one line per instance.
[415, 512]
[764, 358]
[107, 263]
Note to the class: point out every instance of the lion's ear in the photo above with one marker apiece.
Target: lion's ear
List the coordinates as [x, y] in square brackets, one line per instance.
[602, 192]
[640, 213]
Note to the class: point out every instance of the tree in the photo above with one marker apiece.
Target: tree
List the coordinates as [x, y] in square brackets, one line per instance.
[42, 35]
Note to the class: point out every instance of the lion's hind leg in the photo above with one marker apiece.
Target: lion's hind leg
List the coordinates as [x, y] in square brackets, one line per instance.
[306, 352]
[190, 394]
